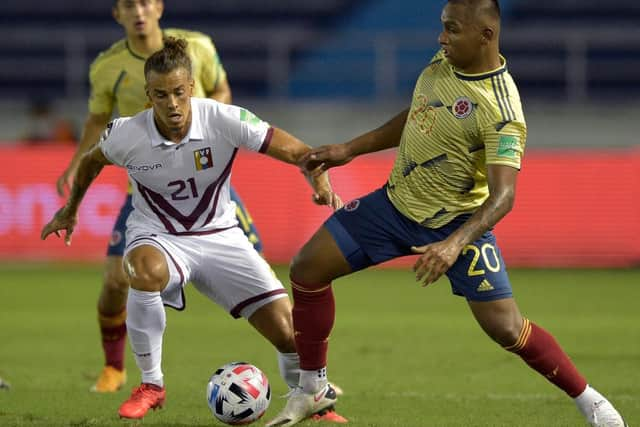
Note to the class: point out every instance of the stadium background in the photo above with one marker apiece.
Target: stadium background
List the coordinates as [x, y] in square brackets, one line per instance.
[327, 70]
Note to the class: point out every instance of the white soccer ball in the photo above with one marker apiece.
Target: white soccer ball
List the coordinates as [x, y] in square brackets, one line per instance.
[238, 393]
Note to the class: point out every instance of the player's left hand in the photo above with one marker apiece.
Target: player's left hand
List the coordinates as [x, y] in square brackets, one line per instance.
[62, 220]
[434, 261]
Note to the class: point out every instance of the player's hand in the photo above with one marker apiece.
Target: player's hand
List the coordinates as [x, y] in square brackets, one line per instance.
[434, 261]
[329, 198]
[65, 181]
[320, 159]
[62, 220]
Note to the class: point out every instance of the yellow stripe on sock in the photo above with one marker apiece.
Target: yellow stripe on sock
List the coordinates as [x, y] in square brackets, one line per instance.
[525, 332]
[300, 288]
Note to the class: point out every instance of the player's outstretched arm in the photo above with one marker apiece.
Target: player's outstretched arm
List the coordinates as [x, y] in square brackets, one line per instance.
[93, 127]
[329, 156]
[66, 218]
[437, 258]
[287, 148]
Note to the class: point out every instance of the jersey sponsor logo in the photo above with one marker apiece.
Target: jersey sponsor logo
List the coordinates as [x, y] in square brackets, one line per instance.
[462, 107]
[508, 146]
[144, 168]
[203, 158]
[352, 205]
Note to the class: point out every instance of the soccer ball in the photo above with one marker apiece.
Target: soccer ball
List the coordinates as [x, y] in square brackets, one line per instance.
[238, 393]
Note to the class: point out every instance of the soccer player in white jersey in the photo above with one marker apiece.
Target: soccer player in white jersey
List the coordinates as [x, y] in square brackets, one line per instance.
[179, 156]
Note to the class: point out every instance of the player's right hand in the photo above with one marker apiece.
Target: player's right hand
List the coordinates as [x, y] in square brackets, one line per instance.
[65, 181]
[62, 220]
[320, 159]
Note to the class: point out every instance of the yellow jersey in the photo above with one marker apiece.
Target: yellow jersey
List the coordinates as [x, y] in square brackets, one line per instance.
[457, 125]
[117, 74]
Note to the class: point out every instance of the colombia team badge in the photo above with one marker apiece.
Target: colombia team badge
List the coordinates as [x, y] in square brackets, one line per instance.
[203, 158]
[462, 107]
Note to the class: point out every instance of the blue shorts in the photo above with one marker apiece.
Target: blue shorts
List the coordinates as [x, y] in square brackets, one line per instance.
[117, 241]
[370, 230]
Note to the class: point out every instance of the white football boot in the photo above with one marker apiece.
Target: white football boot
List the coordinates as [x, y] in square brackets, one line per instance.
[301, 406]
[598, 411]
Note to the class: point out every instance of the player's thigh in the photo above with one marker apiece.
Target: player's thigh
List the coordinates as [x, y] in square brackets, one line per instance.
[245, 222]
[320, 260]
[479, 273]
[232, 274]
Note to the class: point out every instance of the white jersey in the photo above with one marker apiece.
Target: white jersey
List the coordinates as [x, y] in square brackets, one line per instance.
[183, 189]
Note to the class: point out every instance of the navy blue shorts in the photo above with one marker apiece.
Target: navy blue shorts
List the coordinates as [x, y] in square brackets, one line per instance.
[117, 241]
[370, 230]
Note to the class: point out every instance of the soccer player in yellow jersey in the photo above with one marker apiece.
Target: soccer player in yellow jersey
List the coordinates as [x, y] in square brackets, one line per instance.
[460, 147]
[117, 83]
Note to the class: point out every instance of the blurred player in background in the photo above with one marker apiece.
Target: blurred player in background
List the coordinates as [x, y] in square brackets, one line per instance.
[183, 227]
[460, 146]
[117, 80]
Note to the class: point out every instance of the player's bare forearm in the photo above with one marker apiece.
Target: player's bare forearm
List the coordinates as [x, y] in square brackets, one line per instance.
[90, 166]
[329, 156]
[502, 193]
[286, 147]
[382, 138]
[485, 218]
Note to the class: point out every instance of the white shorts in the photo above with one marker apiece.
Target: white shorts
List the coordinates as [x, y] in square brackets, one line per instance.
[223, 266]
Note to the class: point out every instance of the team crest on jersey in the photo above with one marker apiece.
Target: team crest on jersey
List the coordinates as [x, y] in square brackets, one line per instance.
[352, 205]
[462, 107]
[203, 158]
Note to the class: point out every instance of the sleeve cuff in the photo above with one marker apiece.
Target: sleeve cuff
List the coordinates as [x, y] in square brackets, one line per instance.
[267, 140]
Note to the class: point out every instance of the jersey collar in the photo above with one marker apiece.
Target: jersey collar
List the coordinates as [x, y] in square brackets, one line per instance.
[195, 131]
[481, 76]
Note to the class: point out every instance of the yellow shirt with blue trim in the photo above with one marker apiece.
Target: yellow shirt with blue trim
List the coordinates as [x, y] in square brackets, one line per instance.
[117, 74]
[457, 125]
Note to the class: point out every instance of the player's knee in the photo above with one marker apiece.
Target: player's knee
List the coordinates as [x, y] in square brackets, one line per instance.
[147, 273]
[505, 334]
[299, 268]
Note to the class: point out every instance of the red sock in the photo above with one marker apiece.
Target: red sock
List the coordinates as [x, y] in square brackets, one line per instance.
[114, 335]
[542, 352]
[314, 312]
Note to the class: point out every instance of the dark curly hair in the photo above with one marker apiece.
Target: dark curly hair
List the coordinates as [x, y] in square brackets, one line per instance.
[172, 56]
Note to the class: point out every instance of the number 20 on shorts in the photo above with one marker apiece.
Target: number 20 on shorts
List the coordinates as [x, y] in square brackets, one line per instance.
[489, 256]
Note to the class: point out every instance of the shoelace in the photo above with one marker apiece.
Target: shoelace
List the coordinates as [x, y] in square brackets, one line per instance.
[140, 393]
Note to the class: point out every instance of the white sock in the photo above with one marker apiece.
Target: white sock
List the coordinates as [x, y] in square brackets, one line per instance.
[289, 365]
[146, 320]
[313, 381]
[586, 399]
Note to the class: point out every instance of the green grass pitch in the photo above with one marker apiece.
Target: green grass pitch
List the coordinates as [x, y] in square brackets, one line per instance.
[406, 356]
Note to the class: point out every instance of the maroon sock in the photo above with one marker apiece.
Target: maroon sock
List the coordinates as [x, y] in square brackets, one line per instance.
[113, 330]
[542, 352]
[313, 316]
